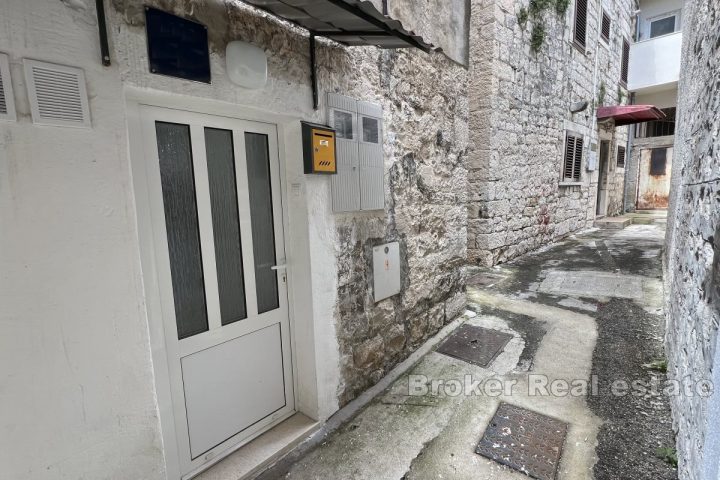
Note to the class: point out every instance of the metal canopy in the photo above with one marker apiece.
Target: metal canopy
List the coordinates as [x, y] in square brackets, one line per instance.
[629, 114]
[350, 22]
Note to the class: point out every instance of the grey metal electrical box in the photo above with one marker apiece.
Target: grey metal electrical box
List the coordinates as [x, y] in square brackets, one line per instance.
[386, 270]
[360, 180]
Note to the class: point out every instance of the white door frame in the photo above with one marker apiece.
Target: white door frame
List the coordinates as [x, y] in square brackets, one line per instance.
[150, 277]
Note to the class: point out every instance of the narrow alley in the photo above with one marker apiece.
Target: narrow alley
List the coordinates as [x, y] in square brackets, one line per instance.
[359, 239]
[587, 310]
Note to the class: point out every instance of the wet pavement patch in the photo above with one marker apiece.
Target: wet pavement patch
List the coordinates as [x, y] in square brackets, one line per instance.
[524, 440]
[476, 345]
[592, 284]
[486, 278]
[530, 329]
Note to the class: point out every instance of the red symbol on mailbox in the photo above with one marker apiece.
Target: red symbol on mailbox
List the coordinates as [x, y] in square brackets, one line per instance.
[387, 264]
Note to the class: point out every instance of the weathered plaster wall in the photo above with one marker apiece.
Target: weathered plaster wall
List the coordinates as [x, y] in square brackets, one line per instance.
[80, 398]
[444, 23]
[519, 112]
[693, 241]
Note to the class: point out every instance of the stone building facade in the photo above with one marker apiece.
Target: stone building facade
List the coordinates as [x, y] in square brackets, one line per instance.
[73, 220]
[520, 102]
[693, 248]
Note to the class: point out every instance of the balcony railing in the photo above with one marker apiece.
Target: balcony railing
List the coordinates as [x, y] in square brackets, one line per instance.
[655, 62]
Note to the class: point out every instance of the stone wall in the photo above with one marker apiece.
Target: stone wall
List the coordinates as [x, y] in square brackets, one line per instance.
[633, 166]
[426, 211]
[519, 111]
[693, 242]
[616, 175]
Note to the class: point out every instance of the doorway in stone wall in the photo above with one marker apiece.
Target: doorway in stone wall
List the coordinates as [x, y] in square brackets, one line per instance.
[654, 178]
[602, 185]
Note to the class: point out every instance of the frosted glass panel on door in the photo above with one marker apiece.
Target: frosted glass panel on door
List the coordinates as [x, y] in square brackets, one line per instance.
[261, 216]
[226, 224]
[181, 222]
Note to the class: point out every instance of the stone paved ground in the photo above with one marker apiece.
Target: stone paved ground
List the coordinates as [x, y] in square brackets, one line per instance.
[588, 307]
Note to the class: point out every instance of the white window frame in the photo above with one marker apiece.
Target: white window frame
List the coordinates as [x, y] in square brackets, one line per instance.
[678, 22]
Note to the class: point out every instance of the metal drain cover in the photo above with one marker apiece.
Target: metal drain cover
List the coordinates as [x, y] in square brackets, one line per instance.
[475, 344]
[525, 441]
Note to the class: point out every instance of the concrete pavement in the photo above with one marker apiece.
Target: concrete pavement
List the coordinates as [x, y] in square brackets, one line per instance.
[587, 311]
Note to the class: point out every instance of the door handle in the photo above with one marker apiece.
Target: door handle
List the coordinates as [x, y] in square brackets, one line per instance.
[279, 267]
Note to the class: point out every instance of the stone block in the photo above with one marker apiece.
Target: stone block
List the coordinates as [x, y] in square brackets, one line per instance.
[369, 354]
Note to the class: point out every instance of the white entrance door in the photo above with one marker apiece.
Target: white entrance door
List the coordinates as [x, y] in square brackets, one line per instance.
[216, 212]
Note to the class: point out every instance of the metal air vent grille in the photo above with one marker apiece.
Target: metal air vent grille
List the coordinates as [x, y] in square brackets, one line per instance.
[7, 102]
[57, 94]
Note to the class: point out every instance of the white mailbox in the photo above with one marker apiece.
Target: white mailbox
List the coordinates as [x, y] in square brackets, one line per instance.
[386, 270]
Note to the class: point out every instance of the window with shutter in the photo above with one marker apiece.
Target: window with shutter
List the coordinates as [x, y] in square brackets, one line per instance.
[580, 33]
[573, 157]
[621, 156]
[605, 29]
[625, 61]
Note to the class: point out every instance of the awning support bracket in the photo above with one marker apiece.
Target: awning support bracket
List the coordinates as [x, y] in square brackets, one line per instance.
[102, 30]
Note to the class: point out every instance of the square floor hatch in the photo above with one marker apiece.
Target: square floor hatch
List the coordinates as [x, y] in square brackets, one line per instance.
[475, 345]
[524, 440]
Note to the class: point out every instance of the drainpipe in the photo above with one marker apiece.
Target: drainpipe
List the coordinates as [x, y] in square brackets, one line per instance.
[593, 128]
[628, 155]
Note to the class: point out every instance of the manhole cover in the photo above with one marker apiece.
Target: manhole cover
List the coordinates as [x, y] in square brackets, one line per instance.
[524, 440]
[475, 344]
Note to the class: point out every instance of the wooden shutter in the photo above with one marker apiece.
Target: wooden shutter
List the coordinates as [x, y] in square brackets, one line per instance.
[573, 157]
[620, 156]
[345, 185]
[580, 23]
[605, 30]
[625, 61]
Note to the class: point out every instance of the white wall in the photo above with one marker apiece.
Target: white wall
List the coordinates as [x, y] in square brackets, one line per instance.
[76, 395]
[285, 100]
[655, 62]
[661, 99]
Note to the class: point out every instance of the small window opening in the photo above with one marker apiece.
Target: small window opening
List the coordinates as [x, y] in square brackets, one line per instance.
[343, 124]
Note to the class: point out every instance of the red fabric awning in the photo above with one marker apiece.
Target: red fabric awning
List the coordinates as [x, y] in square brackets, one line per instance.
[628, 114]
